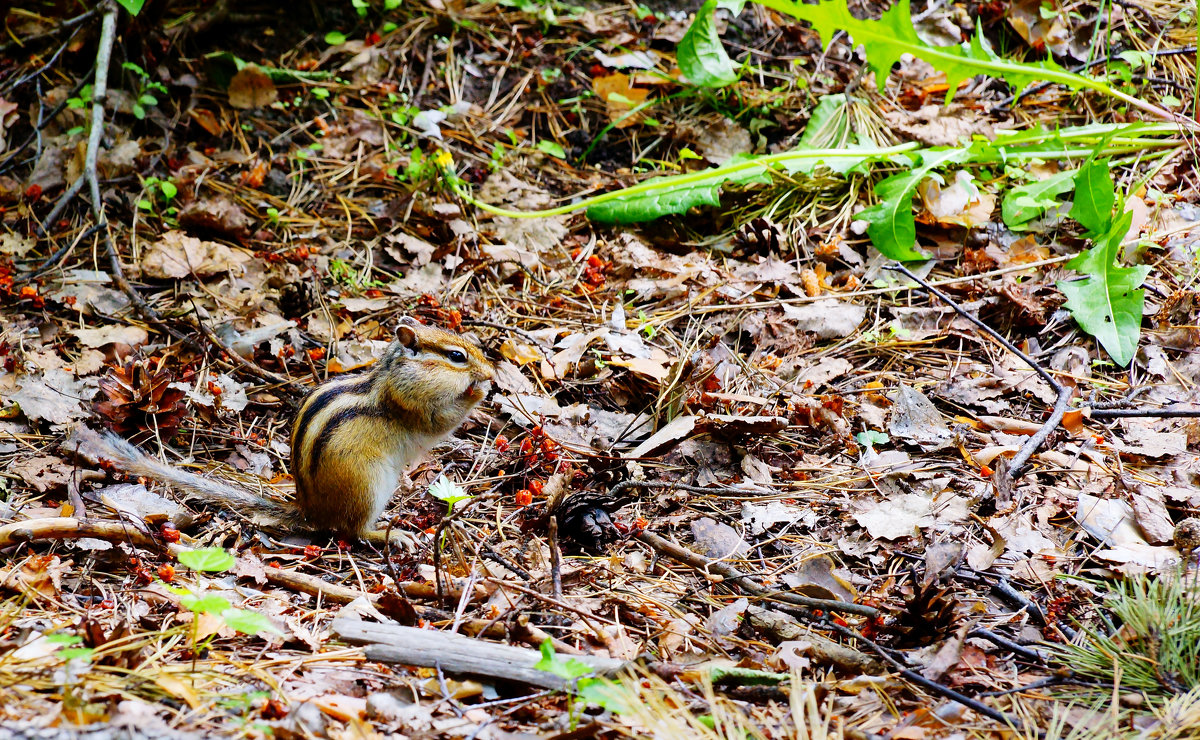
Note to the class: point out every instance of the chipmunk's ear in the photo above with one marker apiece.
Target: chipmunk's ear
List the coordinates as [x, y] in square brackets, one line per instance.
[406, 334]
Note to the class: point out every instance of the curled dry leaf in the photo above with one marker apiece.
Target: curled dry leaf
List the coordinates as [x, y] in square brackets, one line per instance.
[251, 88]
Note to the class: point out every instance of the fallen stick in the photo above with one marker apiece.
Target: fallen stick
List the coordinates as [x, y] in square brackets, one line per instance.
[340, 594]
[455, 653]
[70, 528]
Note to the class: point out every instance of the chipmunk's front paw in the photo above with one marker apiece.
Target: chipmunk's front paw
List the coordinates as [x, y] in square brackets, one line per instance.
[399, 538]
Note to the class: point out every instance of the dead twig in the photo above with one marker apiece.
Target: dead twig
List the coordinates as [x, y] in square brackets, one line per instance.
[1167, 413]
[1018, 463]
[928, 684]
[728, 572]
[249, 366]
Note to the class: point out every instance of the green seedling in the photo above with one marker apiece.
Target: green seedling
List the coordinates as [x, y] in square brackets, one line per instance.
[145, 88]
[216, 560]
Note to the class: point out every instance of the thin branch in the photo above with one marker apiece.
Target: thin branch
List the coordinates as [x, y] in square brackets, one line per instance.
[1018, 463]
[728, 572]
[58, 28]
[1167, 413]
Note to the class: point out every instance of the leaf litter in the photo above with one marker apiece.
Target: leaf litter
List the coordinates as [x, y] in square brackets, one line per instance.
[741, 378]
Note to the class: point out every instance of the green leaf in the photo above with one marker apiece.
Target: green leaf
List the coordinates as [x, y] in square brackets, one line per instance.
[450, 492]
[209, 604]
[147, 99]
[746, 676]
[80, 652]
[890, 221]
[894, 35]
[701, 56]
[391, 4]
[666, 195]
[208, 559]
[169, 191]
[552, 148]
[826, 126]
[661, 196]
[1095, 196]
[563, 668]
[871, 438]
[132, 6]
[604, 692]
[1026, 202]
[1108, 304]
[248, 622]
[63, 638]
[333, 38]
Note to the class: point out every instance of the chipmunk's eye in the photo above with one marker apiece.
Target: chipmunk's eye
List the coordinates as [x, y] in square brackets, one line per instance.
[456, 356]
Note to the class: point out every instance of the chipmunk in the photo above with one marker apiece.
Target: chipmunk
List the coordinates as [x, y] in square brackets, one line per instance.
[352, 438]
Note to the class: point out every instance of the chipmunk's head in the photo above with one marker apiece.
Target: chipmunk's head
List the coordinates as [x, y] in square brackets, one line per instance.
[435, 375]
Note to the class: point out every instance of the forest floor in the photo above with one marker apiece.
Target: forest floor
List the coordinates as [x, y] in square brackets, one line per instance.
[741, 474]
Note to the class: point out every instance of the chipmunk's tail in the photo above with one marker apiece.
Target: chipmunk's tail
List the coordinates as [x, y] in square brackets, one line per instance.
[128, 458]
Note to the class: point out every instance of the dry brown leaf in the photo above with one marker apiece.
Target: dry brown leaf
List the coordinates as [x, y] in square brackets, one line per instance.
[252, 88]
[177, 255]
[619, 98]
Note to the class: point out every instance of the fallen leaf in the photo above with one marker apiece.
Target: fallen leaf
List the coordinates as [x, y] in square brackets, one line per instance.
[902, 516]
[133, 336]
[177, 255]
[619, 98]
[252, 88]
[828, 318]
[718, 541]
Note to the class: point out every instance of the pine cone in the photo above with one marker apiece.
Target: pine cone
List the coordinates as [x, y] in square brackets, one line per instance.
[140, 398]
[760, 236]
[928, 616]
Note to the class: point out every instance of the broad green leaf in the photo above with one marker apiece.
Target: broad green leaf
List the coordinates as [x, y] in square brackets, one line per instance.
[248, 622]
[209, 604]
[333, 38]
[1095, 196]
[733, 6]
[1026, 202]
[209, 559]
[894, 35]
[132, 6]
[673, 195]
[701, 56]
[890, 221]
[1108, 303]
[661, 196]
